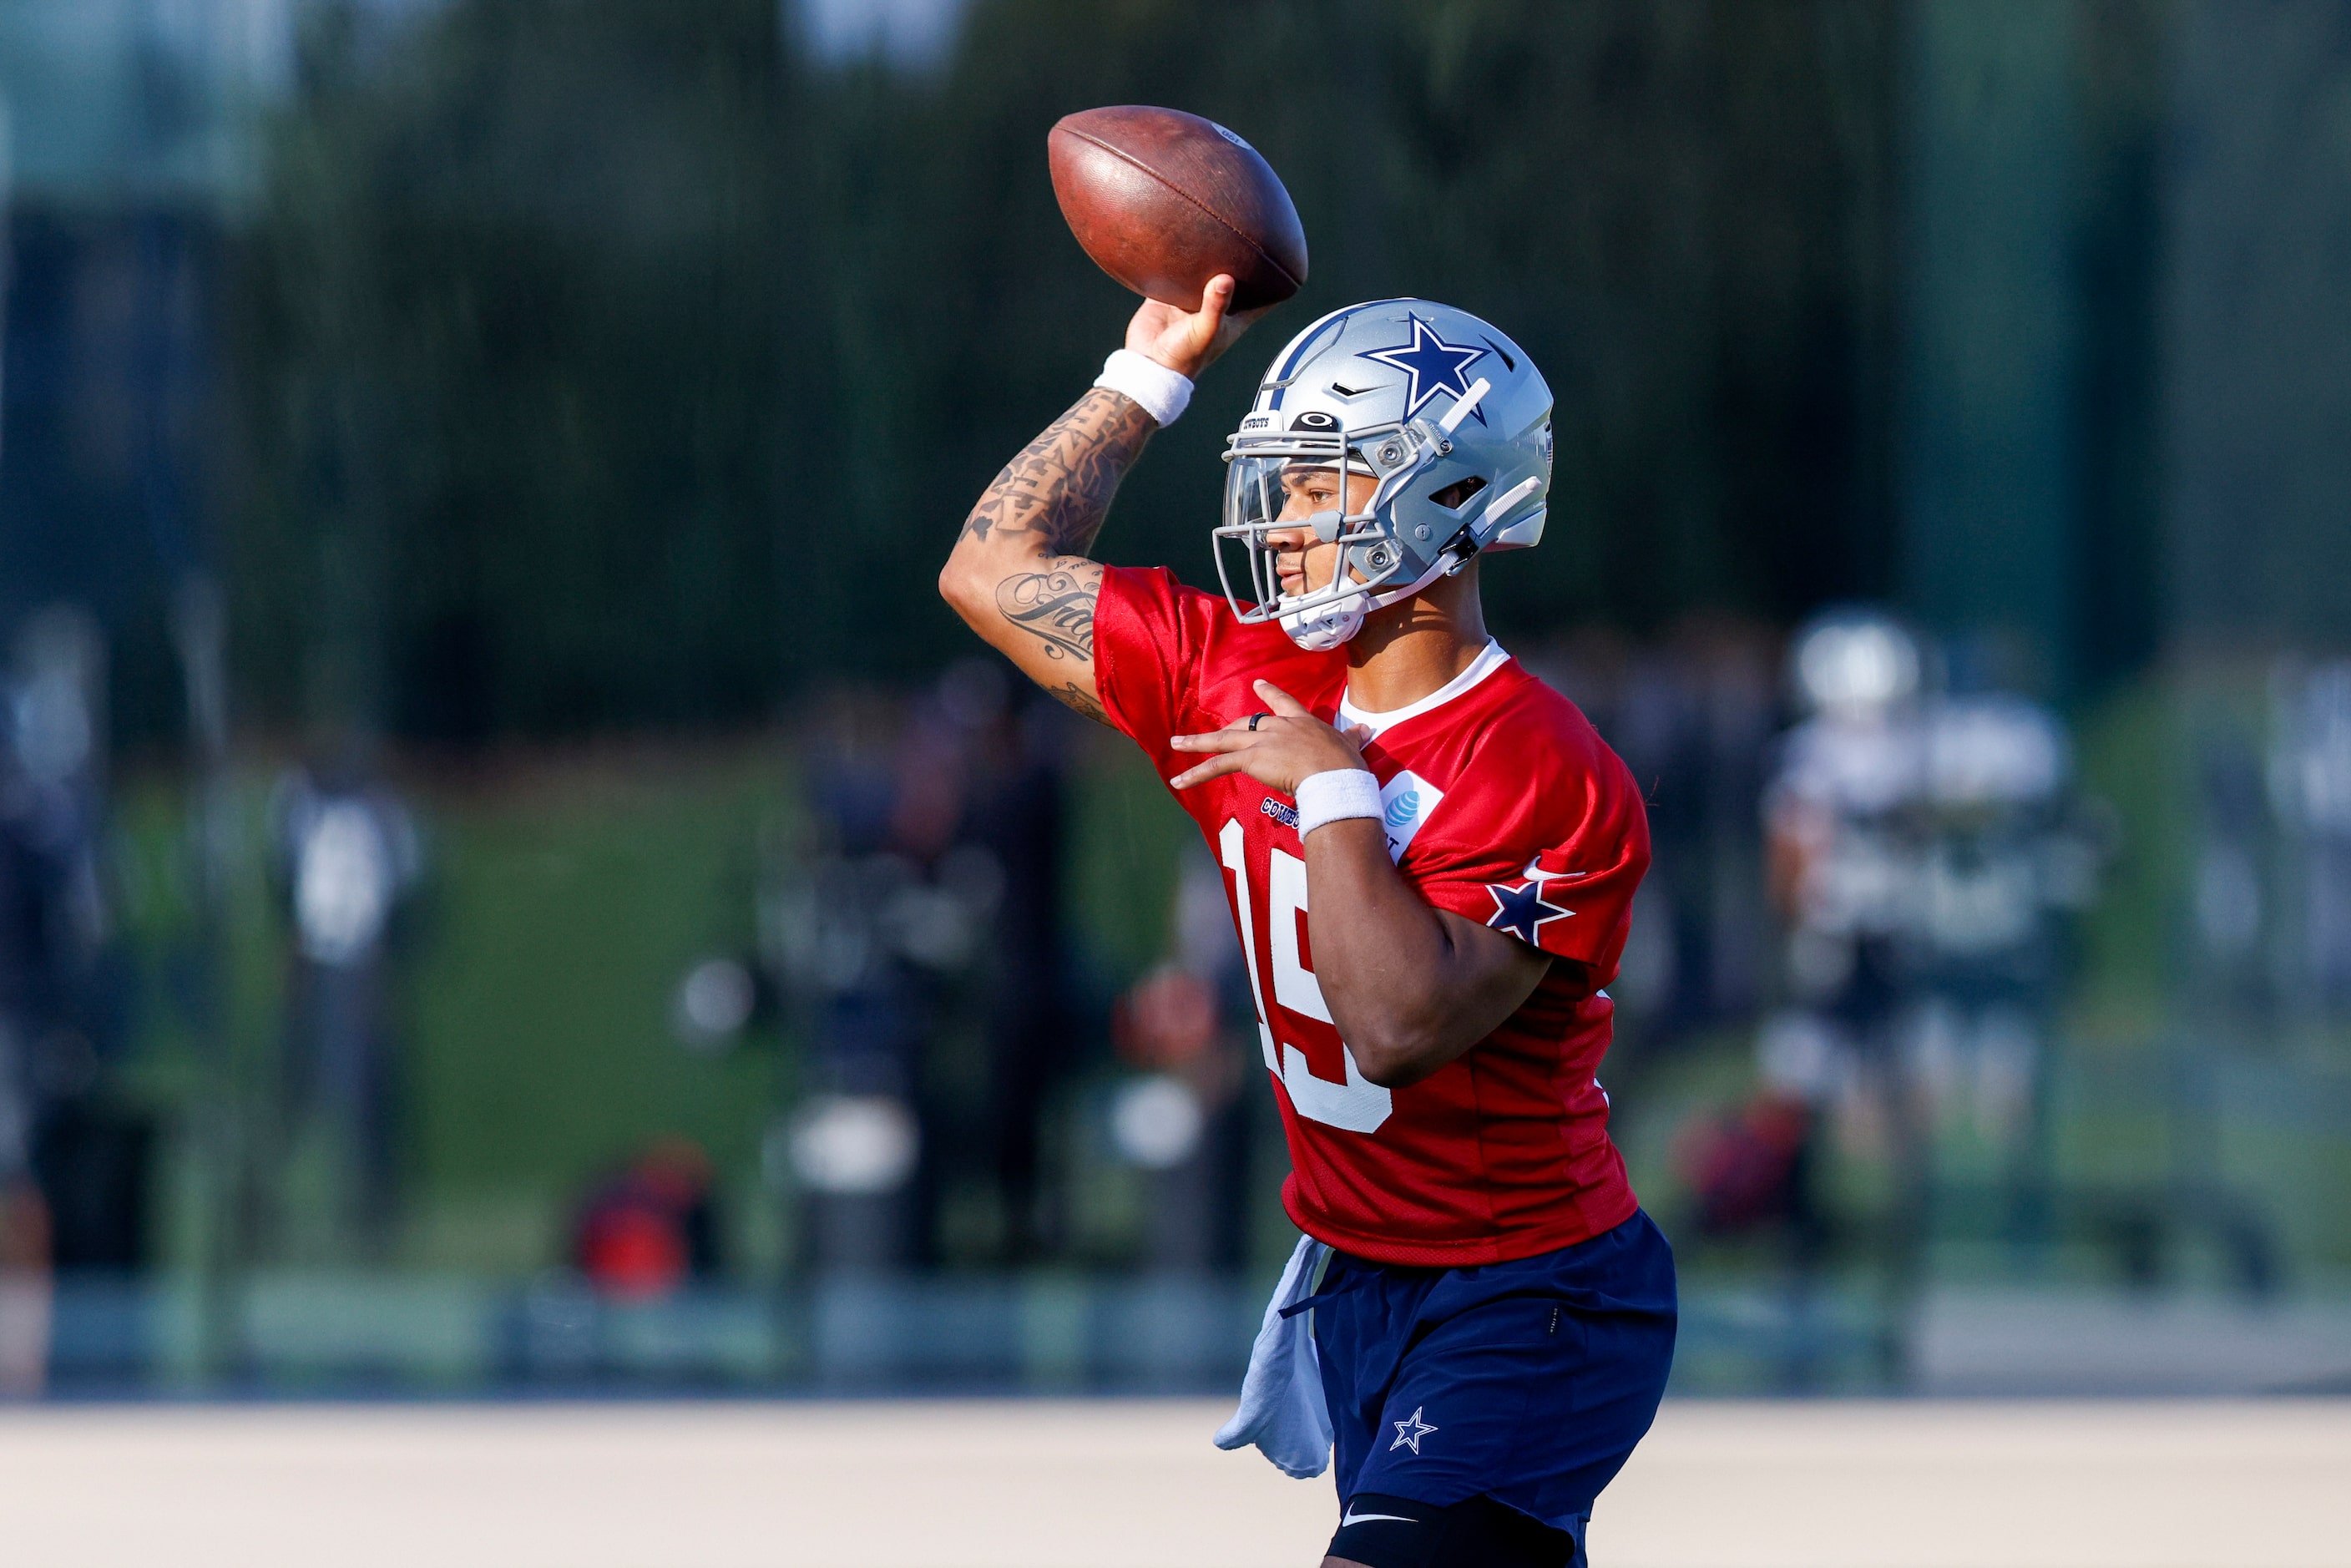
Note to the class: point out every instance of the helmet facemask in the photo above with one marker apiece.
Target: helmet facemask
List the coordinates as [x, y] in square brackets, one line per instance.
[1370, 570]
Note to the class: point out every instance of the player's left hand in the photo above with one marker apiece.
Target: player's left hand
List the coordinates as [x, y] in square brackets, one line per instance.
[1287, 744]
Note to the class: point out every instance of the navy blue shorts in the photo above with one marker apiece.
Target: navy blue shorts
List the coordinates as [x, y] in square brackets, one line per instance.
[1526, 1382]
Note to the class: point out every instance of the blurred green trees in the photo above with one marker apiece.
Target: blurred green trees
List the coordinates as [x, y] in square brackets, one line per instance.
[608, 362]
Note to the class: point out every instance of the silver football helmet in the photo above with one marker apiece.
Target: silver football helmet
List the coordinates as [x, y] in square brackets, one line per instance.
[1447, 416]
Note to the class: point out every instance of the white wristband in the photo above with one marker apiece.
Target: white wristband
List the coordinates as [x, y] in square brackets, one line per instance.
[1335, 796]
[1159, 392]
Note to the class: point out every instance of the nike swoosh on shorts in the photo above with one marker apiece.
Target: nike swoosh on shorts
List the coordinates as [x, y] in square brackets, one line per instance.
[1351, 1517]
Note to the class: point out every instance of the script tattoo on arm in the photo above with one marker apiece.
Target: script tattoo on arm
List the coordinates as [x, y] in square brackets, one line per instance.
[1056, 606]
[1060, 487]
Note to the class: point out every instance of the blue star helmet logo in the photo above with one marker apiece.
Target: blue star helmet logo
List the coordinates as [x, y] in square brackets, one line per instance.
[1435, 366]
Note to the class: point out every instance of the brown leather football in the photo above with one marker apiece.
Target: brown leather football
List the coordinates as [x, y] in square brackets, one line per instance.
[1163, 200]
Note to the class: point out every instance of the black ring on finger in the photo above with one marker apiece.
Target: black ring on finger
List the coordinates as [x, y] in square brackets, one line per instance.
[1254, 717]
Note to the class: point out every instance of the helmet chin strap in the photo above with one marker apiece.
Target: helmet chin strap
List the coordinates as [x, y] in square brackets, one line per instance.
[1336, 623]
[1318, 631]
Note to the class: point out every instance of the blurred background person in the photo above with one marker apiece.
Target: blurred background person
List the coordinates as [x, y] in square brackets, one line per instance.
[349, 857]
[1187, 1028]
[1925, 850]
[2309, 786]
[861, 939]
[930, 897]
[1847, 844]
[2012, 858]
[1011, 870]
[650, 1230]
[72, 1162]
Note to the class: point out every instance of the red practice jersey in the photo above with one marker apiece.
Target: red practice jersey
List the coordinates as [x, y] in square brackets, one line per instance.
[1502, 805]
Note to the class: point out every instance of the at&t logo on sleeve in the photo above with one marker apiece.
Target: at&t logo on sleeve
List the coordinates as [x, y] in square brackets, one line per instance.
[1405, 803]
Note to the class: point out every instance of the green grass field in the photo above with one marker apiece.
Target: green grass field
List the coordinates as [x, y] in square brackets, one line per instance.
[567, 891]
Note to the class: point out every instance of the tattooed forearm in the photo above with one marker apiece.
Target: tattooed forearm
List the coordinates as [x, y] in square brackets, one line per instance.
[1077, 699]
[1019, 575]
[1056, 606]
[1060, 487]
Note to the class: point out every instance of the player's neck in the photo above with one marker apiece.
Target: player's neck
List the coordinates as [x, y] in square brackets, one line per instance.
[1409, 650]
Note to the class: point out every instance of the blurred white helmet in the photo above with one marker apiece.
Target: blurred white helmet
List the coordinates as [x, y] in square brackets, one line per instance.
[1427, 401]
[1855, 663]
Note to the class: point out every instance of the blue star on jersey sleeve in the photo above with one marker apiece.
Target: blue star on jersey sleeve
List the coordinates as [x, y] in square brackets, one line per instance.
[1522, 910]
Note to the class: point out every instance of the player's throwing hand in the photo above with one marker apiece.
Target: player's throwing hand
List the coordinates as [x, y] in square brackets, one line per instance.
[1277, 747]
[1189, 342]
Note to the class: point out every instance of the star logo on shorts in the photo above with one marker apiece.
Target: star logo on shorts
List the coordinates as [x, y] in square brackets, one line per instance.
[1410, 1433]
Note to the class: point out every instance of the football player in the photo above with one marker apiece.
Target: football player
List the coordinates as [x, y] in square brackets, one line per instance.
[1431, 857]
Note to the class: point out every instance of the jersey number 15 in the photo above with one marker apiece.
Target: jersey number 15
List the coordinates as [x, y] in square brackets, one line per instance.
[1358, 1105]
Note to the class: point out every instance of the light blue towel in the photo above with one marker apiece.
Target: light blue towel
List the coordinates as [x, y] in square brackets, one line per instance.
[1282, 1410]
